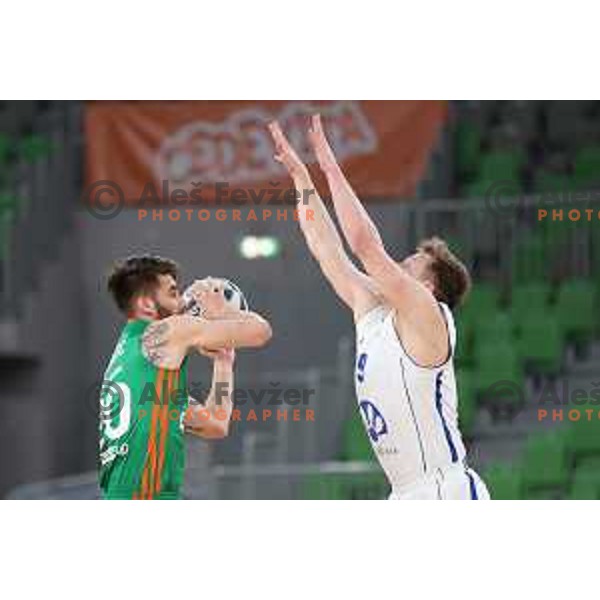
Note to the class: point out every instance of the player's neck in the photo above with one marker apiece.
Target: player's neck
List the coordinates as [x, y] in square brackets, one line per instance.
[140, 316]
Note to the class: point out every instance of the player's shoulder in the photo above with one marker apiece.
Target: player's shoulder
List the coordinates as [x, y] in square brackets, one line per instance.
[373, 317]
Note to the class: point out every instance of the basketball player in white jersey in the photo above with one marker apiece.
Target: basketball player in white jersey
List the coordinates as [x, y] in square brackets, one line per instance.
[405, 382]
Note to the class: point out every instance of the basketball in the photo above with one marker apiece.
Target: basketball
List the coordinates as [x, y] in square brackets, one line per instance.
[233, 296]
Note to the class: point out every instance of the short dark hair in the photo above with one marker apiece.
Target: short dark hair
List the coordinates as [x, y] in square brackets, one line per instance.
[138, 274]
[452, 281]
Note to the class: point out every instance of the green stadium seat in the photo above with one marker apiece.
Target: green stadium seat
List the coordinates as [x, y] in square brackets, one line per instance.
[463, 354]
[596, 263]
[482, 187]
[367, 486]
[356, 444]
[582, 437]
[500, 378]
[545, 463]
[586, 483]
[529, 260]
[351, 486]
[555, 184]
[497, 327]
[481, 304]
[34, 147]
[468, 143]
[497, 361]
[324, 487]
[528, 299]
[504, 482]
[540, 343]
[502, 165]
[543, 494]
[8, 211]
[586, 167]
[575, 309]
[583, 489]
[477, 189]
[6, 146]
[483, 299]
[467, 400]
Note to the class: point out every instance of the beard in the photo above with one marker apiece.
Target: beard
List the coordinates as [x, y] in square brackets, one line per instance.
[161, 311]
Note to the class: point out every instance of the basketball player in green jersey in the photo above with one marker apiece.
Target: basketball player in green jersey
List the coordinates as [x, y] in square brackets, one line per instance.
[144, 406]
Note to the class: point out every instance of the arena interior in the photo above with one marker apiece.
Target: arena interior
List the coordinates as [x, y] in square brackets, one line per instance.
[478, 174]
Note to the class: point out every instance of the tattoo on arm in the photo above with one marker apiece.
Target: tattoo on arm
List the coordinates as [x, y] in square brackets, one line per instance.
[154, 341]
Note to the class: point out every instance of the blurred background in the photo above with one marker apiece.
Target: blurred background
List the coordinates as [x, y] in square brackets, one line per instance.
[474, 173]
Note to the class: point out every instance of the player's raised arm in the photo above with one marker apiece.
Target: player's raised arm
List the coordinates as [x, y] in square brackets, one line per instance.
[418, 318]
[211, 419]
[321, 235]
[361, 233]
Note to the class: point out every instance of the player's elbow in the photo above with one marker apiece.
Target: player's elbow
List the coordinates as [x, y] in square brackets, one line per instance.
[215, 430]
[266, 333]
[363, 242]
[262, 333]
[220, 431]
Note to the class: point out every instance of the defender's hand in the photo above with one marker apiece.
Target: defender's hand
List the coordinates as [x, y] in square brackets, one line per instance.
[284, 153]
[320, 145]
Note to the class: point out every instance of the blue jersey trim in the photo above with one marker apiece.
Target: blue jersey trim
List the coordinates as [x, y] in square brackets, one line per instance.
[472, 486]
[438, 405]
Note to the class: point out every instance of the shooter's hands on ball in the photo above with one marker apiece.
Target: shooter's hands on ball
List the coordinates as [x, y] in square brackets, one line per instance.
[209, 294]
[226, 356]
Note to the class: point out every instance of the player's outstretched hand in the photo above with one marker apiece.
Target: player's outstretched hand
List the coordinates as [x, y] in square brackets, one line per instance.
[284, 153]
[320, 145]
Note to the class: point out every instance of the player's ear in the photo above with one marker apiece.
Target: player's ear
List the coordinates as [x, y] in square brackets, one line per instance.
[429, 284]
[145, 305]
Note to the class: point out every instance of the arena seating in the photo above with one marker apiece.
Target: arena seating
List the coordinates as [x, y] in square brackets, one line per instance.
[19, 147]
[561, 464]
[541, 146]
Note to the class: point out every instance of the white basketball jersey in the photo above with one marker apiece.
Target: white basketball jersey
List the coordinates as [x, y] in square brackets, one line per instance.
[409, 411]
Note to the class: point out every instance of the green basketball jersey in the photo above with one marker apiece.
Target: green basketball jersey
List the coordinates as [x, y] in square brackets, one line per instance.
[142, 451]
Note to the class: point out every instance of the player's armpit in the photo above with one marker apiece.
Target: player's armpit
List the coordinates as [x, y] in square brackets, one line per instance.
[159, 344]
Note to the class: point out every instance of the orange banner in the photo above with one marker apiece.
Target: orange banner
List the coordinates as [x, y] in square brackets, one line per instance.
[217, 151]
